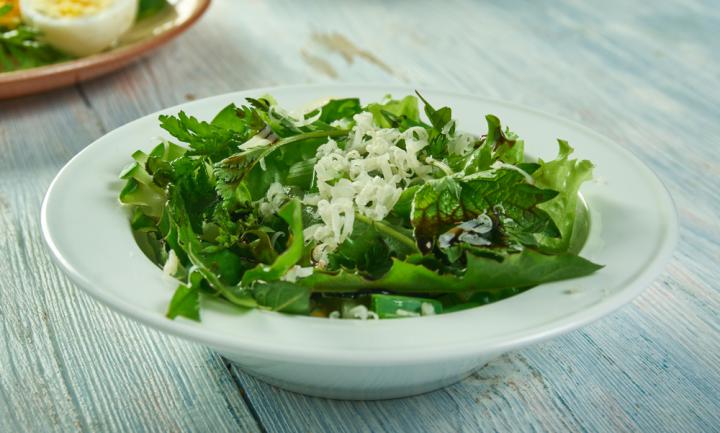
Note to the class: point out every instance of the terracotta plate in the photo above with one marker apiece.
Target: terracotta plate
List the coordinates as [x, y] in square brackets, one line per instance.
[147, 35]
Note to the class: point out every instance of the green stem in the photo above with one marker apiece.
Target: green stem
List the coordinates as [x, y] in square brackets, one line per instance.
[305, 136]
[388, 230]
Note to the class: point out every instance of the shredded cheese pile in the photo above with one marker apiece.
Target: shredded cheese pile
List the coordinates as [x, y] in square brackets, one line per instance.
[366, 177]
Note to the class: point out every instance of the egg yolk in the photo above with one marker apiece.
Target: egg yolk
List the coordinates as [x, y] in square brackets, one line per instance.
[12, 18]
[70, 8]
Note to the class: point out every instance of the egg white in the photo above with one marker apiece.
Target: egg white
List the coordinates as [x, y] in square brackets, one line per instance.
[84, 34]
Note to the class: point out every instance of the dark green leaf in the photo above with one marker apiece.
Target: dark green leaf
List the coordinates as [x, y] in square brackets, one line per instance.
[524, 269]
[283, 296]
[338, 109]
[185, 302]
[292, 214]
[148, 8]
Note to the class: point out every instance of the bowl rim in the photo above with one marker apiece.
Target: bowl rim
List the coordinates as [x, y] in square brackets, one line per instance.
[502, 343]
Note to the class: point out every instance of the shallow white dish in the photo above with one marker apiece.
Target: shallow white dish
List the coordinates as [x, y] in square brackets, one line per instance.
[633, 230]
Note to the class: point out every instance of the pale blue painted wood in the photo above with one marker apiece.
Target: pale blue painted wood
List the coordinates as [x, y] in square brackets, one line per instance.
[66, 363]
[646, 75]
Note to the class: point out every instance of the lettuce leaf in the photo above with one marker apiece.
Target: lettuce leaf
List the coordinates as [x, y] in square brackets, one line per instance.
[396, 113]
[564, 175]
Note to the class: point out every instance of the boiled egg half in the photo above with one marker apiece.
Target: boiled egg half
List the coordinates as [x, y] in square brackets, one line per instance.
[80, 27]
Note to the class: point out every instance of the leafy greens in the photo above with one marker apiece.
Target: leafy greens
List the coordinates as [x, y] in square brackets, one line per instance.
[352, 211]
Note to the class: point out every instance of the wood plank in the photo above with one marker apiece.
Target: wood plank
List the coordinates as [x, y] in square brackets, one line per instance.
[67, 363]
[622, 70]
[646, 77]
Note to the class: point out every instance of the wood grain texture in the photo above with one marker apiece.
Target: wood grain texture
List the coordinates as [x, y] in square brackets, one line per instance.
[646, 76]
[66, 363]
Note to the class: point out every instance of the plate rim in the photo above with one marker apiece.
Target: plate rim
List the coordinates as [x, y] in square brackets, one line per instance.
[500, 344]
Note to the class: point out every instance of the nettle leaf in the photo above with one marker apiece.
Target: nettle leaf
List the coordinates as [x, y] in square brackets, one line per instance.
[364, 250]
[441, 204]
[436, 207]
[191, 177]
[517, 199]
[403, 206]
[181, 237]
[524, 269]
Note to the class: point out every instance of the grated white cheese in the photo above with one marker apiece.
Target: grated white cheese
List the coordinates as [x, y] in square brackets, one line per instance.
[296, 272]
[171, 265]
[274, 198]
[427, 309]
[303, 121]
[367, 177]
[461, 144]
[448, 126]
[340, 123]
[360, 312]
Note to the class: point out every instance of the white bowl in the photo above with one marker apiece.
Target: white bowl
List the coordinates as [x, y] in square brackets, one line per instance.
[632, 232]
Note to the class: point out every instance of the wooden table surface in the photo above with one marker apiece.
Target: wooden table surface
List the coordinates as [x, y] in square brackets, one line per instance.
[646, 74]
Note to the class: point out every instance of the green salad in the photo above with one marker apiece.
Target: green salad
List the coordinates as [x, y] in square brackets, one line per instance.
[352, 211]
